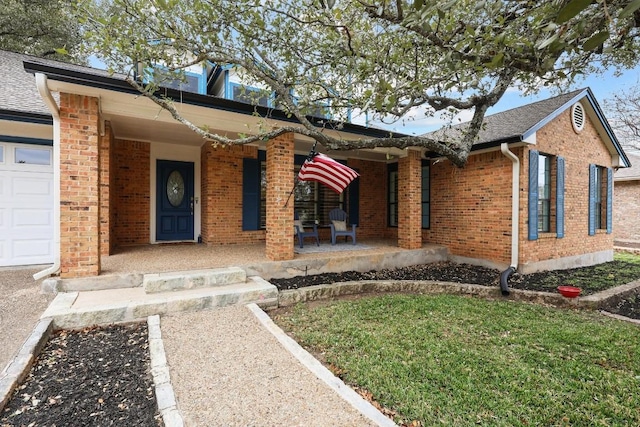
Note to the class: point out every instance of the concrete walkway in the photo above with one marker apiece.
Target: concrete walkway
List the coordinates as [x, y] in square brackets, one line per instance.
[228, 369]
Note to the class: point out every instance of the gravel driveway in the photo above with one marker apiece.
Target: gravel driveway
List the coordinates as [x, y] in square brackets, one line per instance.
[21, 305]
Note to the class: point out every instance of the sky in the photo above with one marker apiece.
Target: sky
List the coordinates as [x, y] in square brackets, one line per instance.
[603, 87]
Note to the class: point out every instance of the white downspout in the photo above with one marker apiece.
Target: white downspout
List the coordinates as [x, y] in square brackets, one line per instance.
[515, 218]
[45, 93]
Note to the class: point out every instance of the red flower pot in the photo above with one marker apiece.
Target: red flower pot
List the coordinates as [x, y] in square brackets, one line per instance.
[569, 291]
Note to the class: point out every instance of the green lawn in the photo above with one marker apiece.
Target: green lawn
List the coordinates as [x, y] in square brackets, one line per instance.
[451, 360]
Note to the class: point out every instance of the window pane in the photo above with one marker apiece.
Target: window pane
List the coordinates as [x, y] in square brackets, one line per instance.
[191, 83]
[426, 197]
[1, 154]
[250, 96]
[544, 194]
[33, 156]
[393, 198]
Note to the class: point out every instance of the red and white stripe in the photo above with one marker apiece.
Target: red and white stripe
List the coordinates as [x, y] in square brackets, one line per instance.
[327, 171]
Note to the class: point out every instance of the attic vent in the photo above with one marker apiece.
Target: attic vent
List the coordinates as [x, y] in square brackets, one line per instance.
[577, 117]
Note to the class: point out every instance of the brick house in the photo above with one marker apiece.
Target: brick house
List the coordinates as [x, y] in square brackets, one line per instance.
[626, 212]
[130, 175]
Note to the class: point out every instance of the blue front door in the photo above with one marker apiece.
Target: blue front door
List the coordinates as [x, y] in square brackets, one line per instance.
[174, 201]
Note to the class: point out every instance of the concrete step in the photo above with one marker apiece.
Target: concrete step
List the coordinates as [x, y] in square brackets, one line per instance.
[194, 279]
[152, 282]
[70, 310]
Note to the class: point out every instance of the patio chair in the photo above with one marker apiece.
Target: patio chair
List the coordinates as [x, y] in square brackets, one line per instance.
[298, 230]
[338, 224]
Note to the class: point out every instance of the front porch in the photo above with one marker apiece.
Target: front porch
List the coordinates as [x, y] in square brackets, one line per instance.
[368, 254]
[161, 279]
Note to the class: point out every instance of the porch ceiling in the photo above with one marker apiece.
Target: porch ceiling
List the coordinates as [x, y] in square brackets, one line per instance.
[135, 117]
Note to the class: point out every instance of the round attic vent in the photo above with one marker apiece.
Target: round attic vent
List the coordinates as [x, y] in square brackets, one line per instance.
[577, 117]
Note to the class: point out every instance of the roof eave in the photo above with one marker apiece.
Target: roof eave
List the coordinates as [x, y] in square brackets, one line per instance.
[26, 117]
[208, 101]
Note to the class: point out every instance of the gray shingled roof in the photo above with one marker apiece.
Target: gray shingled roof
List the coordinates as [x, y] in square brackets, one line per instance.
[514, 123]
[629, 173]
[18, 91]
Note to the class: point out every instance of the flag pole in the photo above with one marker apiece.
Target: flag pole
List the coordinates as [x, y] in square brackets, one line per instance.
[311, 155]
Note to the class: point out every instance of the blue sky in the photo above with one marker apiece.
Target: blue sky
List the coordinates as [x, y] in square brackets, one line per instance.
[603, 86]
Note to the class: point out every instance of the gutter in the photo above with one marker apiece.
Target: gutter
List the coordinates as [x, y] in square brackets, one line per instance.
[45, 93]
[515, 208]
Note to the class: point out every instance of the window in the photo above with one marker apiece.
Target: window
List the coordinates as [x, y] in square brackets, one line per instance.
[190, 83]
[426, 196]
[250, 95]
[32, 156]
[546, 194]
[393, 195]
[312, 200]
[1, 154]
[600, 199]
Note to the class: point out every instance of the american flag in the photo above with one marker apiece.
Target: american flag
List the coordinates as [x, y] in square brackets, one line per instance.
[327, 171]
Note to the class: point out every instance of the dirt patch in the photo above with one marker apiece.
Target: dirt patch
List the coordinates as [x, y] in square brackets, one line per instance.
[93, 377]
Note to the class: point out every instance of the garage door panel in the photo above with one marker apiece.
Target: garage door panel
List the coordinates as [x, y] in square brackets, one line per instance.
[31, 248]
[32, 186]
[26, 213]
[32, 218]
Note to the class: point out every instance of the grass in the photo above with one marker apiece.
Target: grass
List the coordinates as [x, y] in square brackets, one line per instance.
[452, 360]
[624, 268]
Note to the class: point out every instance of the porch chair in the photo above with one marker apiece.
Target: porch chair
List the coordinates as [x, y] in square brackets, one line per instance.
[299, 231]
[338, 224]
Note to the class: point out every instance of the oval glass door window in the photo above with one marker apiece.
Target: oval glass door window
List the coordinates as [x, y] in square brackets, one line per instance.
[175, 188]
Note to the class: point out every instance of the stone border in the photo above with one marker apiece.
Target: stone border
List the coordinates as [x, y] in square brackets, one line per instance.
[18, 369]
[165, 396]
[320, 292]
[320, 371]
[328, 291]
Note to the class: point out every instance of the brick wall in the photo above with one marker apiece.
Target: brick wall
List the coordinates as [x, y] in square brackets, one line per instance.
[131, 197]
[106, 181]
[79, 186]
[579, 150]
[471, 207]
[373, 198]
[626, 211]
[280, 175]
[222, 195]
[410, 200]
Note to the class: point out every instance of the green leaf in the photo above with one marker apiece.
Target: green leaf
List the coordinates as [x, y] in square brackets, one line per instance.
[631, 8]
[548, 41]
[417, 4]
[596, 40]
[572, 9]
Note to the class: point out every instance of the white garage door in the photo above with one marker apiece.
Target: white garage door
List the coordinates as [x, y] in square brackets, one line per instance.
[26, 204]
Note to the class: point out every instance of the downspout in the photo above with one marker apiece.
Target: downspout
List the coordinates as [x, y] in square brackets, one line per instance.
[45, 93]
[515, 208]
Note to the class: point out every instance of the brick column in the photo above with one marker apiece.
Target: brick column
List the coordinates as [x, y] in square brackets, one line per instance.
[410, 201]
[107, 177]
[79, 186]
[280, 178]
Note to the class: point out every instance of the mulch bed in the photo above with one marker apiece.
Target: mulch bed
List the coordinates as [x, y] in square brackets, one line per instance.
[545, 281]
[94, 377]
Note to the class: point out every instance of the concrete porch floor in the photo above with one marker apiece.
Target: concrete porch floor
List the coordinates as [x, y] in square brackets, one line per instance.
[251, 257]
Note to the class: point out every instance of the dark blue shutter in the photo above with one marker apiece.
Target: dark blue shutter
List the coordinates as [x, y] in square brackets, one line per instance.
[533, 195]
[609, 200]
[250, 194]
[592, 199]
[560, 197]
[354, 201]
